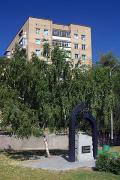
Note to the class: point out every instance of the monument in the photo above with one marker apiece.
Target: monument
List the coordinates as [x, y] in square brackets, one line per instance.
[82, 146]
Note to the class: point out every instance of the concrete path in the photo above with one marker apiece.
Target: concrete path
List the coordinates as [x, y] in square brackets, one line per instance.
[57, 163]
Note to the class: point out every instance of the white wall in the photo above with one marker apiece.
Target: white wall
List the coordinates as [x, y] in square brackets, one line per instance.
[34, 143]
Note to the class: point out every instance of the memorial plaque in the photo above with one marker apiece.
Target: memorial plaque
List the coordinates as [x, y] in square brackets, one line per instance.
[85, 149]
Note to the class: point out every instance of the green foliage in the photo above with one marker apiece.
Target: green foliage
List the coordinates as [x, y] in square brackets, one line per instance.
[108, 164]
[46, 50]
[36, 95]
[108, 60]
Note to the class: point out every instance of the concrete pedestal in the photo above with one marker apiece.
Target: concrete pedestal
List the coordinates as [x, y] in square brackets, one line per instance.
[83, 147]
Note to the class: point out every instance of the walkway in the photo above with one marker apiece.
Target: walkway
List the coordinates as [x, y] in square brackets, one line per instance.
[58, 163]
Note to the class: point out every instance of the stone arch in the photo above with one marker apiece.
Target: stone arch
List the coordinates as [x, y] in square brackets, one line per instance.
[79, 109]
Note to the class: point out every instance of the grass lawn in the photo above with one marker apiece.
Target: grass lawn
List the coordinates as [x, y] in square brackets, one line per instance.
[116, 149]
[10, 170]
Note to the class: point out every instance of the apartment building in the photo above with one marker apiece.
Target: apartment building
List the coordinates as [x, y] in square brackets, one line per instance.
[75, 39]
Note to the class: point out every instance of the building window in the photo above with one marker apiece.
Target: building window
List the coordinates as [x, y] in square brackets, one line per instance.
[83, 47]
[76, 36]
[63, 44]
[55, 32]
[37, 51]
[46, 32]
[83, 57]
[76, 56]
[76, 46]
[83, 37]
[66, 44]
[37, 41]
[37, 31]
[61, 33]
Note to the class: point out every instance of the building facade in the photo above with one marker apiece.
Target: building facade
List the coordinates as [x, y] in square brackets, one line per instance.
[75, 39]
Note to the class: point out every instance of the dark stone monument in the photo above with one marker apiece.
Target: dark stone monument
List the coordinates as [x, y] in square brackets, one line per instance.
[80, 110]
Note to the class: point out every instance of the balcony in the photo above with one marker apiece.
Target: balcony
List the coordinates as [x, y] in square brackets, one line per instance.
[62, 44]
[23, 43]
[59, 34]
[61, 38]
[7, 54]
[22, 34]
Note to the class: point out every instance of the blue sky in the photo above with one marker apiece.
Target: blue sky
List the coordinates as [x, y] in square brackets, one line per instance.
[103, 16]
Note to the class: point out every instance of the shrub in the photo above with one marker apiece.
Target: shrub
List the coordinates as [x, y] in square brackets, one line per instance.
[114, 166]
[108, 164]
[102, 162]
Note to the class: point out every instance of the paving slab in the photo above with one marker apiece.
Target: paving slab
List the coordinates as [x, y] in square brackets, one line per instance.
[58, 163]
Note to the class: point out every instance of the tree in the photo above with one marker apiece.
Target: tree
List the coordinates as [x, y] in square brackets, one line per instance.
[46, 50]
[36, 96]
[108, 59]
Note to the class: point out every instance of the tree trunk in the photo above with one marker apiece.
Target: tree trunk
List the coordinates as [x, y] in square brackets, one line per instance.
[46, 146]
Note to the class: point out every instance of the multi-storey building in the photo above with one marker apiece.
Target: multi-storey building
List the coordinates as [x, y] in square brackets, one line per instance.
[75, 39]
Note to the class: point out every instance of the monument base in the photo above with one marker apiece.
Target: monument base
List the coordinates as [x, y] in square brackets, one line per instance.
[83, 147]
[57, 163]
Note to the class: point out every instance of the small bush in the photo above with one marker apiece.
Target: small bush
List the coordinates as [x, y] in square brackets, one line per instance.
[108, 164]
[114, 166]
